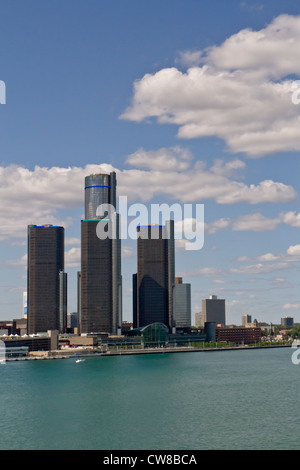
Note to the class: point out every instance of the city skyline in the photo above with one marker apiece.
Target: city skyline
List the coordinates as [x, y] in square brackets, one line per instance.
[187, 103]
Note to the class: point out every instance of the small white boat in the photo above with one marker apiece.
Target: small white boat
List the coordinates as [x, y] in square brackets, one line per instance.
[80, 360]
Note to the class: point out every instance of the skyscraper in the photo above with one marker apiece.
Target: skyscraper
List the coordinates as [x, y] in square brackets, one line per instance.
[100, 277]
[182, 304]
[46, 279]
[246, 319]
[153, 283]
[213, 310]
[287, 321]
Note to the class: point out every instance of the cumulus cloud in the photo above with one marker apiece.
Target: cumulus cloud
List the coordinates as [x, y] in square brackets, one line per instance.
[205, 272]
[216, 225]
[73, 257]
[294, 250]
[127, 251]
[291, 218]
[164, 159]
[268, 257]
[255, 223]
[291, 306]
[259, 268]
[72, 241]
[260, 223]
[35, 196]
[189, 58]
[238, 91]
[269, 52]
[269, 262]
[48, 195]
[188, 182]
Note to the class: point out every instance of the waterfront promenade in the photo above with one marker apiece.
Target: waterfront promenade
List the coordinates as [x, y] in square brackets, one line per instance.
[87, 352]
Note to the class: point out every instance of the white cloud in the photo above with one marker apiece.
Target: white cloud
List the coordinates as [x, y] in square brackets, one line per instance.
[291, 218]
[237, 91]
[271, 52]
[205, 272]
[18, 263]
[268, 257]
[216, 225]
[259, 268]
[294, 250]
[73, 258]
[291, 306]
[35, 196]
[269, 262]
[127, 251]
[72, 241]
[255, 223]
[164, 159]
[189, 58]
[187, 181]
[229, 168]
[38, 196]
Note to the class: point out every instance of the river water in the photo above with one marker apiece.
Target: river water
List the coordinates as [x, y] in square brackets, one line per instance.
[231, 400]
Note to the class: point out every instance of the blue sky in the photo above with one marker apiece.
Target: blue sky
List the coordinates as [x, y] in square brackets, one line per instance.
[190, 102]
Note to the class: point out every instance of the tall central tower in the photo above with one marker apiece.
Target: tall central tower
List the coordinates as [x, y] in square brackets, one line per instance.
[100, 280]
[99, 189]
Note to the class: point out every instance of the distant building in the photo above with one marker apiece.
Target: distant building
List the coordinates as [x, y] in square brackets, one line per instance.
[239, 335]
[63, 301]
[72, 320]
[155, 278]
[19, 326]
[79, 302]
[182, 304]
[44, 342]
[199, 320]
[287, 321]
[246, 319]
[213, 310]
[126, 326]
[24, 305]
[6, 328]
[45, 265]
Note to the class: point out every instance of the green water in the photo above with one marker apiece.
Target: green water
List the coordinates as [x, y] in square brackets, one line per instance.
[182, 401]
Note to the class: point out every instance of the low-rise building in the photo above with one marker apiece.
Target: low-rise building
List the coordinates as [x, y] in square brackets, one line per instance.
[239, 335]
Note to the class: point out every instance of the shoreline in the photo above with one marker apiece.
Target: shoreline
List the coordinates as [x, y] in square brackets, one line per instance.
[85, 354]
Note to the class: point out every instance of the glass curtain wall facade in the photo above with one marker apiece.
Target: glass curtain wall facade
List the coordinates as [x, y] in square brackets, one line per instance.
[182, 304]
[99, 189]
[153, 283]
[45, 265]
[100, 276]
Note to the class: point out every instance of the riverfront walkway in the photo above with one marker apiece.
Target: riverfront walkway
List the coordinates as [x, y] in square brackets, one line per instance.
[68, 354]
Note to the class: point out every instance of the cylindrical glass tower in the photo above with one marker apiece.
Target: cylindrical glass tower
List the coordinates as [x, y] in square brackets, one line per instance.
[99, 189]
[100, 279]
